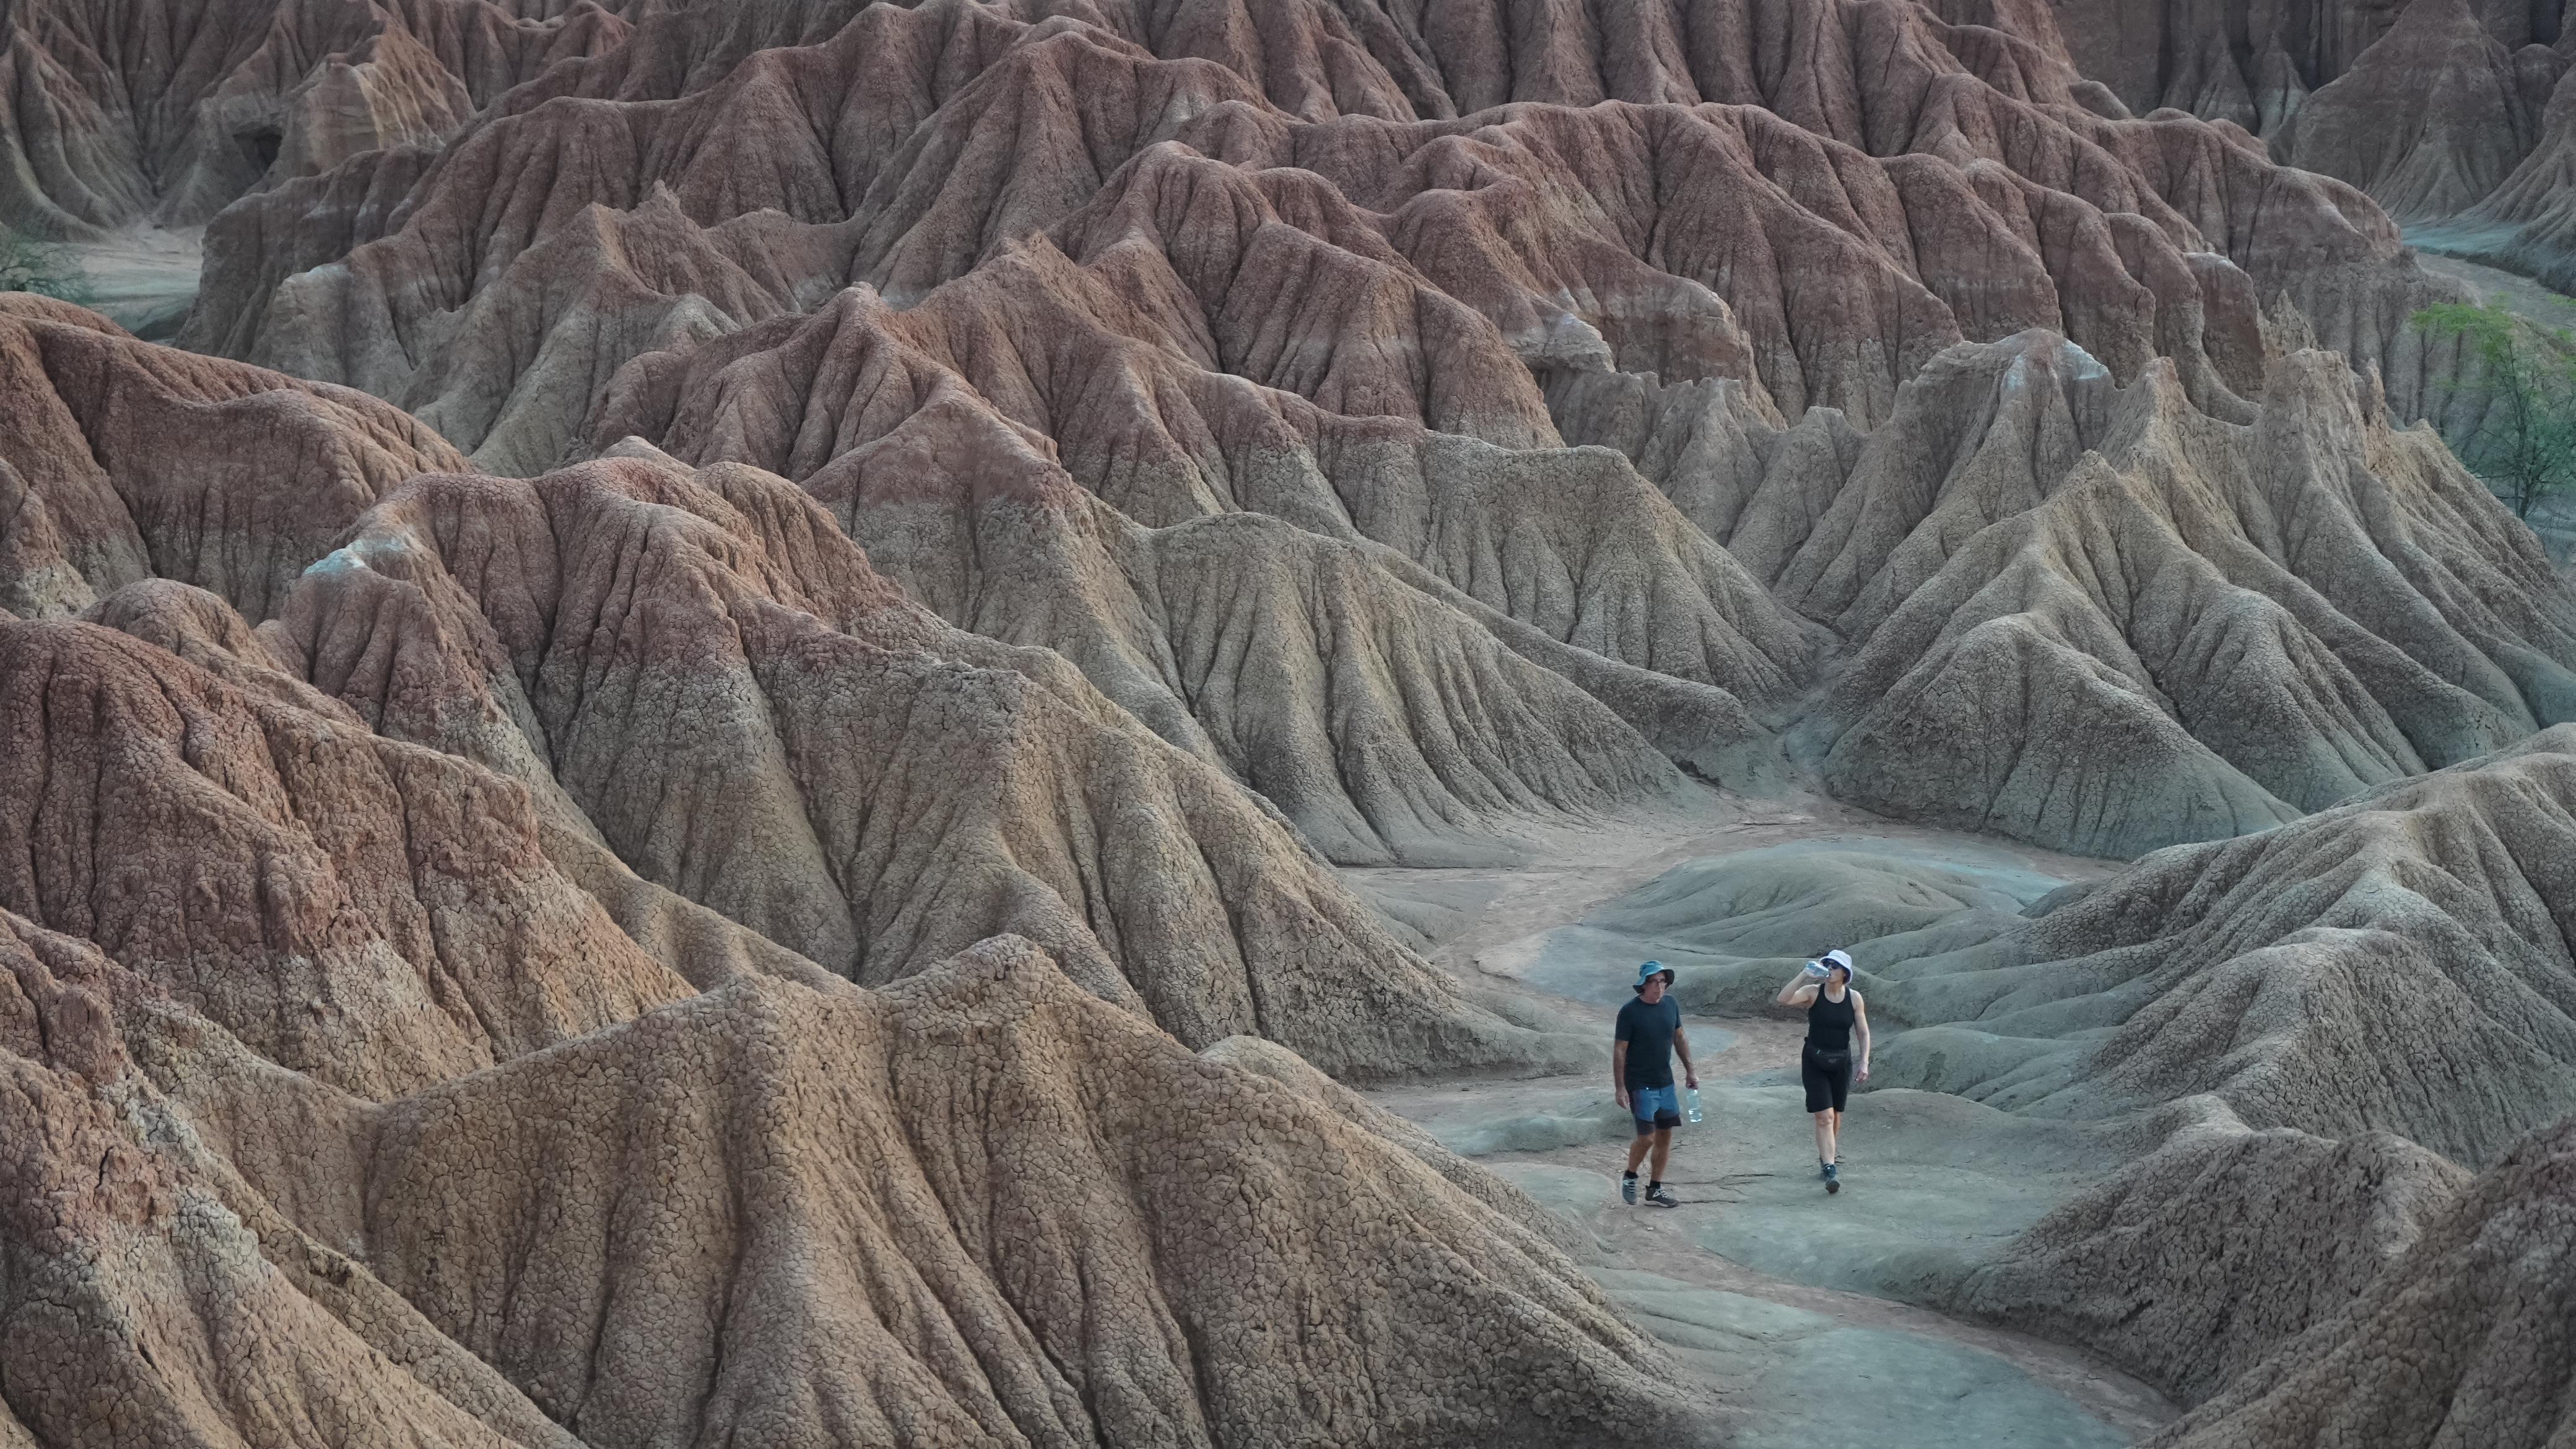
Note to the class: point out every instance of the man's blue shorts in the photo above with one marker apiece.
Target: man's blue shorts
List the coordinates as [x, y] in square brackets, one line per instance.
[1655, 1108]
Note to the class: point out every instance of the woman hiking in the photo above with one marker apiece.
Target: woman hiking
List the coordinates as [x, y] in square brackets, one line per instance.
[1825, 1066]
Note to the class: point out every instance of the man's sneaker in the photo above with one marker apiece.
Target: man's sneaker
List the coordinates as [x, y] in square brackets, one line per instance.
[1825, 1171]
[1833, 1177]
[1661, 1196]
[1628, 1188]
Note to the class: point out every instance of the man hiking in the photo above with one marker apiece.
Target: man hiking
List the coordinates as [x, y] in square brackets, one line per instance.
[1641, 1069]
[1825, 1065]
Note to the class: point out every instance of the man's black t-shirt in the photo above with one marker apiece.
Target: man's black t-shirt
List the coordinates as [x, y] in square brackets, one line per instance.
[1648, 1031]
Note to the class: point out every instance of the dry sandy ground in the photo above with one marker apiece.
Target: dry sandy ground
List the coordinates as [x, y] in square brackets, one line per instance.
[144, 280]
[2521, 294]
[1783, 1300]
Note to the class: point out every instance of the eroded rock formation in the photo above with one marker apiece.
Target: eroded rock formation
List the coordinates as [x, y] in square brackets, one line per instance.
[124, 461]
[1034, 379]
[2255, 62]
[2218, 1249]
[165, 111]
[288, 875]
[2030, 560]
[985, 1206]
[2444, 111]
[2528, 223]
[702, 671]
[696, 671]
[308, 917]
[1034, 303]
[1949, 190]
[2430, 120]
[2464, 1340]
[2335, 974]
[757, 864]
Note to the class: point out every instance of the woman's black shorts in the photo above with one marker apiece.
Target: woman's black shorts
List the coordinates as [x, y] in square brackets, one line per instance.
[1827, 1076]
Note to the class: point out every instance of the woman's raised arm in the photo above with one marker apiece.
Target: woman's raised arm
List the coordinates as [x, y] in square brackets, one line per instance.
[1802, 988]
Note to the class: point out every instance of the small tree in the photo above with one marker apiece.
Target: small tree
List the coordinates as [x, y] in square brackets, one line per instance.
[28, 265]
[2526, 447]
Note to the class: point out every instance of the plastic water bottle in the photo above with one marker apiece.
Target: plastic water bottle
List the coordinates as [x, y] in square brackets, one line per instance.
[1690, 1103]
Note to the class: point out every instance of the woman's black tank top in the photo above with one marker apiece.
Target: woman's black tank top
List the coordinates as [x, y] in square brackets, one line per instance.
[1829, 1023]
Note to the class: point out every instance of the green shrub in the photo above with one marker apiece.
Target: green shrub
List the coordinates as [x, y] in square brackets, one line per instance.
[2526, 448]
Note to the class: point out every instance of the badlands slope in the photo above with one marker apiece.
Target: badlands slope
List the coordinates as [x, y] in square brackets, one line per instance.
[1231, 349]
[308, 917]
[681, 778]
[2455, 115]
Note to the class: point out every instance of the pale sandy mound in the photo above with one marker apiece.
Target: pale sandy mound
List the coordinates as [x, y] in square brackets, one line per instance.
[2470, 1338]
[1790, 900]
[2207, 1255]
[2396, 965]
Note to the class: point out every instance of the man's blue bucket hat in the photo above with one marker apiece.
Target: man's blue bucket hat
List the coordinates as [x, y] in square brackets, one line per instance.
[1651, 970]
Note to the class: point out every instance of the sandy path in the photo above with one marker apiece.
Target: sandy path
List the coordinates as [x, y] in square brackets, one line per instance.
[144, 279]
[2520, 294]
[1760, 1282]
[1510, 910]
